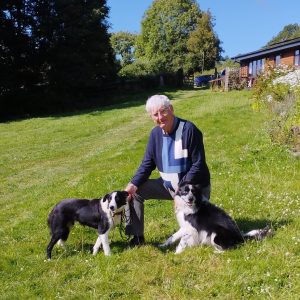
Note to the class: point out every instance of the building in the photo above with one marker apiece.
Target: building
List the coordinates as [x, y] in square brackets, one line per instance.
[283, 53]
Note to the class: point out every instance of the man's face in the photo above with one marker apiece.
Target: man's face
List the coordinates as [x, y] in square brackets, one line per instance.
[163, 117]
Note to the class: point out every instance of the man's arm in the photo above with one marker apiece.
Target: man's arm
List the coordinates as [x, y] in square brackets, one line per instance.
[199, 171]
[145, 169]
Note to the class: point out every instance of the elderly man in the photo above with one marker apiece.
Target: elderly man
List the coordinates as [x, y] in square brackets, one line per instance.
[176, 149]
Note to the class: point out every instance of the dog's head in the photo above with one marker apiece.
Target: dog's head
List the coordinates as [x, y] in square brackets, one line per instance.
[188, 195]
[116, 201]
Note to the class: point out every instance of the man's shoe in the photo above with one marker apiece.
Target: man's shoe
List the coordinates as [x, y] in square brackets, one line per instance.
[137, 241]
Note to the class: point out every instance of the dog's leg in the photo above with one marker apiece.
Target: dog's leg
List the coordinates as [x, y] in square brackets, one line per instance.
[105, 243]
[97, 245]
[218, 248]
[50, 246]
[61, 243]
[187, 240]
[173, 238]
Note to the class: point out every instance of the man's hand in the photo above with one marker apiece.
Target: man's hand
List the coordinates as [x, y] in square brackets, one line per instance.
[131, 189]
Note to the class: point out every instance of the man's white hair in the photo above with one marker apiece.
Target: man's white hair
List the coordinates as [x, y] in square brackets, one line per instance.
[157, 101]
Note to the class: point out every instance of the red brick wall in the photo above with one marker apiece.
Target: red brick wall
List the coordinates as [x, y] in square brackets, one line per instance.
[287, 58]
[244, 70]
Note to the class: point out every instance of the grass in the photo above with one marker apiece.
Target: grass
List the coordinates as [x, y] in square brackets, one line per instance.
[90, 153]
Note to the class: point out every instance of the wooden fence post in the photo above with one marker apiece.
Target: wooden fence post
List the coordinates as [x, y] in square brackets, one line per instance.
[226, 80]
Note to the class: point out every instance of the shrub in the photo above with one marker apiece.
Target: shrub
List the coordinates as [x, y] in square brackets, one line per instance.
[274, 92]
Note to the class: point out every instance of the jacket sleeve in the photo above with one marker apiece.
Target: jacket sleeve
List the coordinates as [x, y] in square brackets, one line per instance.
[198, 172]
[147, 165]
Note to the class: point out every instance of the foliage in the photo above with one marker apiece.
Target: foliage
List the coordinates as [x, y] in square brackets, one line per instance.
[137, 68]
[288, 32]
[123, 44]
[235, 82]
[203, 44]
[85, 155]
[166, 29]
[52, 48]
[281, 100]
[223, 64]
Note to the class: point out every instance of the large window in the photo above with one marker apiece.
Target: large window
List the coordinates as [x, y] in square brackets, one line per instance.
[297, 58]
[277, 60]
[250, 68]
[256, 66]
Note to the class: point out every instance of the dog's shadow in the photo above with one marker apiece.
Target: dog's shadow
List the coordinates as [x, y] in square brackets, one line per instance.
[246, 224]
[118, 246]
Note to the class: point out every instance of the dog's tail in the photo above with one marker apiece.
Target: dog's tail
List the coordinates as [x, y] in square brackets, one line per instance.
[258, 234]
[50, 220]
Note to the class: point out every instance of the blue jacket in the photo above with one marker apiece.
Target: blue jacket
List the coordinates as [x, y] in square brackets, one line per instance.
[178, 156]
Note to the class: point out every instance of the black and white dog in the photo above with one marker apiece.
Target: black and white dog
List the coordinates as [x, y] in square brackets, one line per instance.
[203, 223]
[101, 214]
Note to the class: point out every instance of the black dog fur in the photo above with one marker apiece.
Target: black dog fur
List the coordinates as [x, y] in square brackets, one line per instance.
[100, 214]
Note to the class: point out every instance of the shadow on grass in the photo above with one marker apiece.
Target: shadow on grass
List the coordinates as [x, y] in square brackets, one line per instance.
[246, 224]
[98, 105]
[120, 245]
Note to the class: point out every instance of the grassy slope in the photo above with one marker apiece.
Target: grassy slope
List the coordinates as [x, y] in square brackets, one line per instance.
[46, 159]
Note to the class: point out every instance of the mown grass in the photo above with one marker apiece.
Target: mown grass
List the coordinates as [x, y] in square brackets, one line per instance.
[90, 153]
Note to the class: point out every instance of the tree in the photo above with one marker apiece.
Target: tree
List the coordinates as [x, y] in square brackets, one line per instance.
[123, 44]
[166, 27]
[288, 32]
[57, 47]
[203, 44]
[16, 47]
[81, 56]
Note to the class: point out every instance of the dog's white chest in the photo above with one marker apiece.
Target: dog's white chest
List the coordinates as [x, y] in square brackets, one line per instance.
[185, 225]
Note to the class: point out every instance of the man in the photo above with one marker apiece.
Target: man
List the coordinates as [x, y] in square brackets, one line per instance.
[176, 149]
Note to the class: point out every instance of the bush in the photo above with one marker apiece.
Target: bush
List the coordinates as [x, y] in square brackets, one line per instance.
[282, 101]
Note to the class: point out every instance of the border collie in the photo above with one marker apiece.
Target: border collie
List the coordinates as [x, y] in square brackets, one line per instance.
[203, 223]
[101, 214]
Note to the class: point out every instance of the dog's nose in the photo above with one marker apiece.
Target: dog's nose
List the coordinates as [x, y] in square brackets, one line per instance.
[112, 208]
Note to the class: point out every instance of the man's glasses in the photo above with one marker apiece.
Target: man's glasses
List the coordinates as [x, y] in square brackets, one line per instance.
[162, 112]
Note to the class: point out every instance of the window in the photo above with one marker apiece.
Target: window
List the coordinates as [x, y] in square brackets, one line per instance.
[256, 67]
[250, 68]
[263, 64]
[297, 60]
[277, 60]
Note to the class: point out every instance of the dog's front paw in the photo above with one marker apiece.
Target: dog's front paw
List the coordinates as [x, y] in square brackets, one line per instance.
[163, 245]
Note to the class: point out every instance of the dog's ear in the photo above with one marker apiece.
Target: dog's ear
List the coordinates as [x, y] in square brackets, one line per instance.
[198, 187]
[172, 193]
[126, 195]
[106, 197]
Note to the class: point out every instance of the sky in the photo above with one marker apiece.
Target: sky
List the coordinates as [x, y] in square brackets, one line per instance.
[242, 25]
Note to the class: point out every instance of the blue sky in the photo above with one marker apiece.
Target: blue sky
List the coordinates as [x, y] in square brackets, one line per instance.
[242, 25]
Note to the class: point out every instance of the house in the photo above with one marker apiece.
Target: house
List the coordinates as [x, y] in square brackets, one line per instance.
[283, 53]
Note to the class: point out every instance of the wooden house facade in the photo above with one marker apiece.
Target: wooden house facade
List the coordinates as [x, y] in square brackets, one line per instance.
[283, 53]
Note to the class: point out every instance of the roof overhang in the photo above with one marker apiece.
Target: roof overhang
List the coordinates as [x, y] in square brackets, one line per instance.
[264, 52]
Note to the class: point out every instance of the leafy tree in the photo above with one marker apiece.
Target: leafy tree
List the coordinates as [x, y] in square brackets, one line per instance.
[288, 32]
[177, 37]
[58, 47]
[81, 56]
[138, 68]
[16, 48]
[165, 30]
[203, 44]
[123, 44]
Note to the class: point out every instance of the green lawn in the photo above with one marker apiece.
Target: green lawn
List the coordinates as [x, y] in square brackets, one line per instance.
[44, 160]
